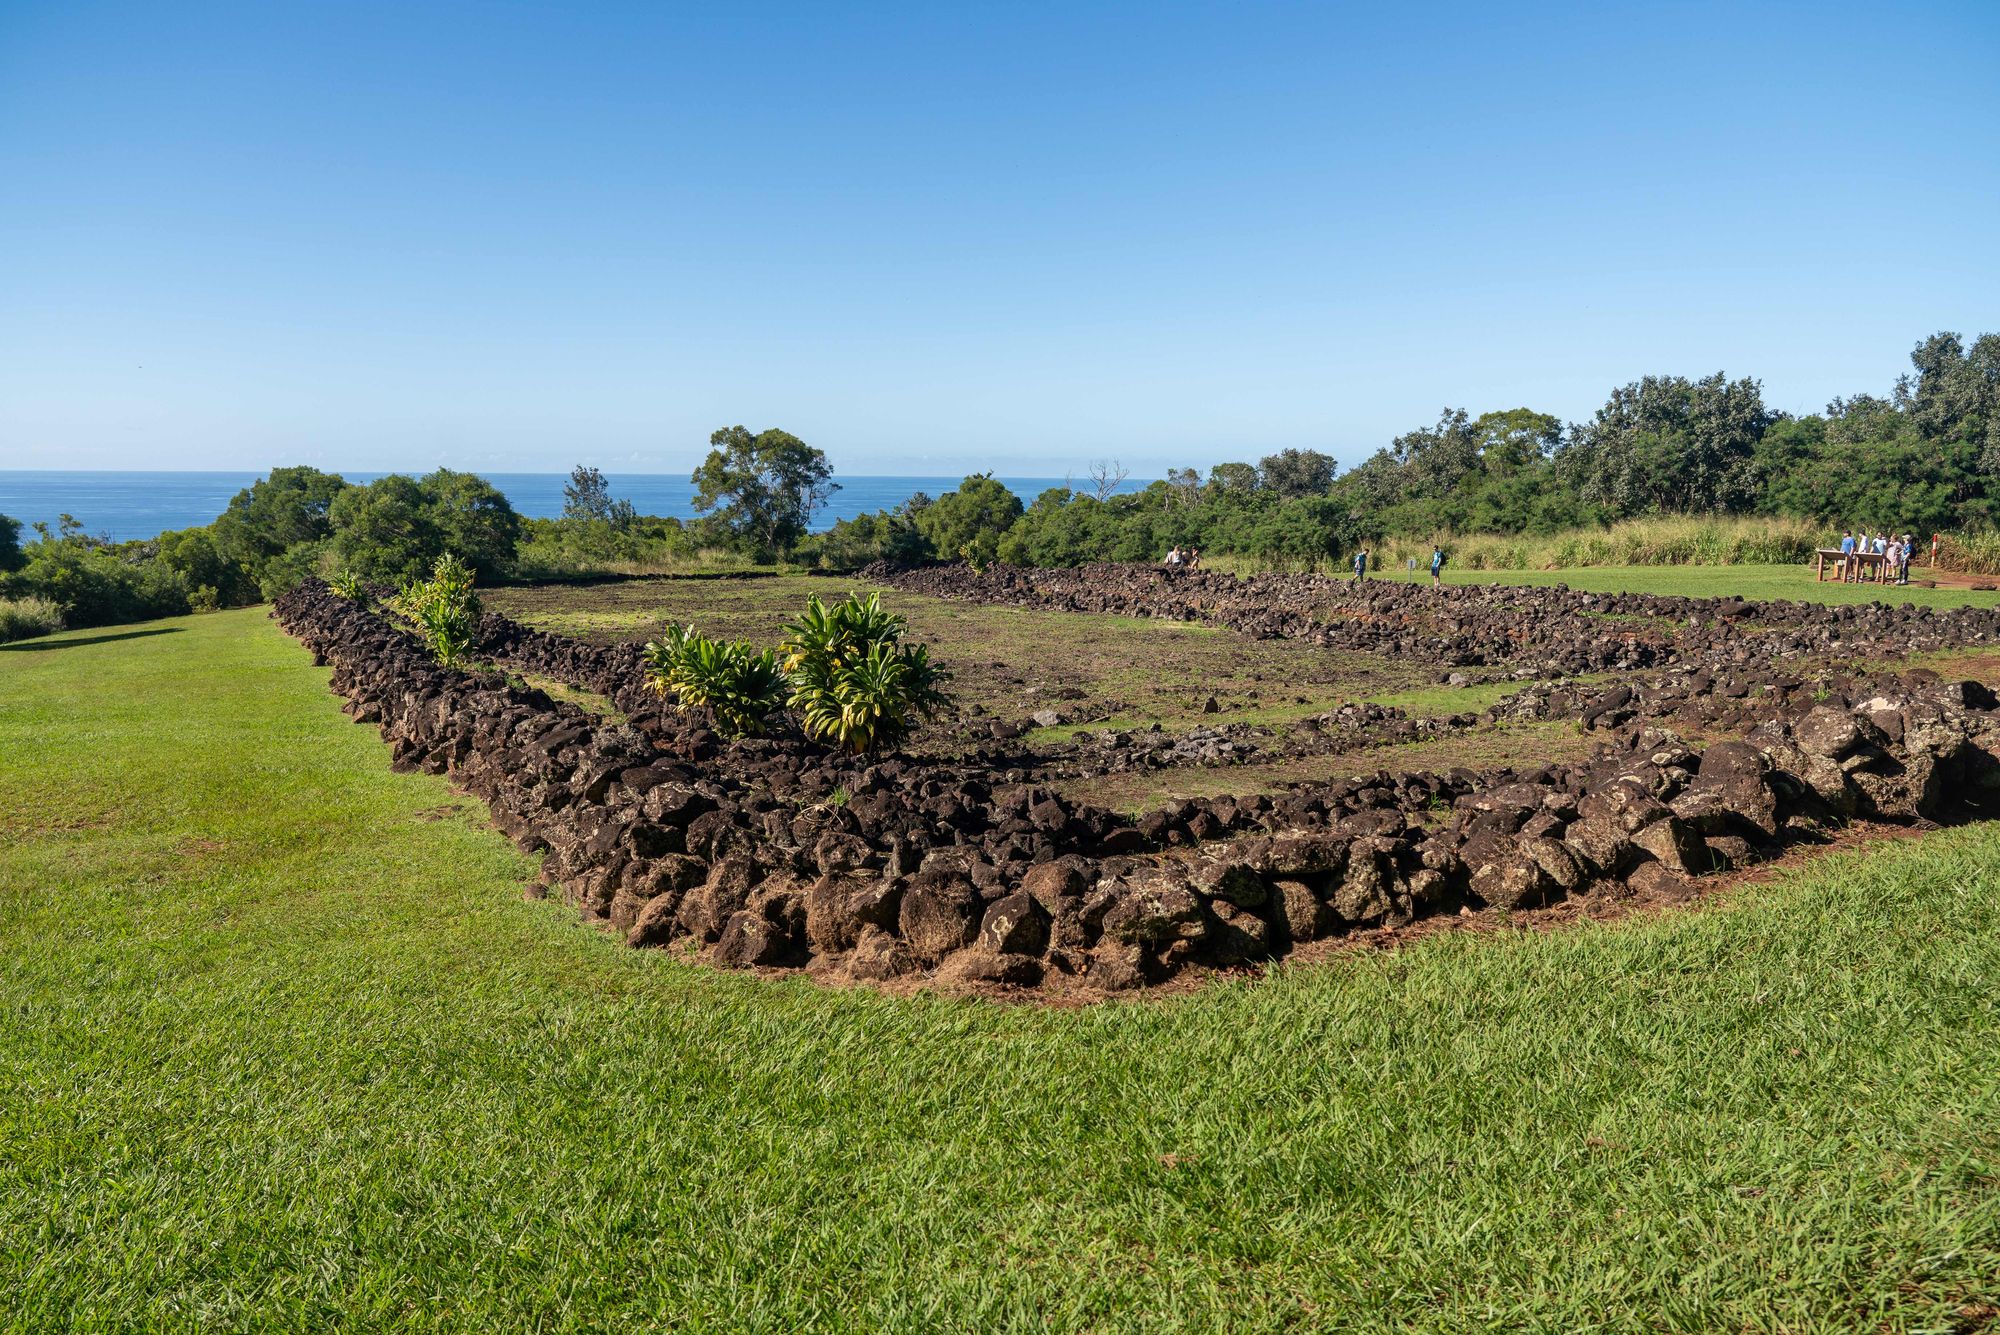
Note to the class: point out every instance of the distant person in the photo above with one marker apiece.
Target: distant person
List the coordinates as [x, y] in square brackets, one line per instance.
[1846, 555]
[1437, 566]
[1361, 566]
[1881, 544]
[1174, 558]
[1194, 558]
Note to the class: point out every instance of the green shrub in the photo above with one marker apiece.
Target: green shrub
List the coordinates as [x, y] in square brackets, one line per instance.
[445, 609]
[25, 618]
[394, 528]
[349, 586]
[854, 543]
[854, 683]
[970, 522]
[280, 574]
[739, 685]
[94, 582]
[639, 545]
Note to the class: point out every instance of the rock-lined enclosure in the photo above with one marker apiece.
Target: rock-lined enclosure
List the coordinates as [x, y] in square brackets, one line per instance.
[1529, 631]
[776, 853]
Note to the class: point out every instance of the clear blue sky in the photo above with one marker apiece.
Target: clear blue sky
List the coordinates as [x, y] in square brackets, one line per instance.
[943, 237]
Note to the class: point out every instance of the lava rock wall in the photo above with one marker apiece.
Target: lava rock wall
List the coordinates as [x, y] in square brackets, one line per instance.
[774, 853]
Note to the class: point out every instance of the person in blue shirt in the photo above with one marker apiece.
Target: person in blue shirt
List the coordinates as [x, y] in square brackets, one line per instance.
[1361, 565]
[1846, 552]
[1437, 565]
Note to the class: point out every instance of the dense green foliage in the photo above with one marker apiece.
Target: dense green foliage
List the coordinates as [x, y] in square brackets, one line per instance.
[288, 1050]
[759, 491]
[396, 528]
[1924, 459]
[881, 536]
[10, 545]
[855, 684]
[445, 610]
[739, 684]
[285, 527]
[967, 524]
[97, 583]
[843, 668]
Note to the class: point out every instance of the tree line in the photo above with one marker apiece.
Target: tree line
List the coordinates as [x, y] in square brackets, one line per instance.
[1924, 457]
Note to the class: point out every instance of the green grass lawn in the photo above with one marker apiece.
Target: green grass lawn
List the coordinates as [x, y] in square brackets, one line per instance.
[284, 1048]
[1760, 582]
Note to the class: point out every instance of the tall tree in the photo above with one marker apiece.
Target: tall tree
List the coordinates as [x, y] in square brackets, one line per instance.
[587, 499]
[1670, 444]
[763, 488]
[969, 522]
[1954, 397]
[287, 508]
[586, 495]
[1293, 473]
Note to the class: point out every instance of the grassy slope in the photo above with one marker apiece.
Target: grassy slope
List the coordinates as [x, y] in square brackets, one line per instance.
[1746, 581]
[282, 1051]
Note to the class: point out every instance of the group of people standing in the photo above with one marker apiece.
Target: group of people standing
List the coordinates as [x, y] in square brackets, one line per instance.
[1895, 552]
[1183, 558]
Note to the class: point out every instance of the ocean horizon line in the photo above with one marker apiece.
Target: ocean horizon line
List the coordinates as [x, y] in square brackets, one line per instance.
[128, 505]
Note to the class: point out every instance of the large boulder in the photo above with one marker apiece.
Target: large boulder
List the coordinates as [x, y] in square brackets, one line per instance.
[839, 905]
[1304, 916]
[1366, 890]
[707, 908]
[1509, 876]
[749, 938]
[977, 965]
[1831, 733]
[1014, 925]
[1626, 803]
[1674, 845]
[1732, 793]
[878, 955]
[940, 913]
[1154, 907]
[1230, 881]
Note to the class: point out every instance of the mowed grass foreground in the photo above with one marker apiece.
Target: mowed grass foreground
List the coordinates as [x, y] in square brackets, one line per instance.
[282, 1046]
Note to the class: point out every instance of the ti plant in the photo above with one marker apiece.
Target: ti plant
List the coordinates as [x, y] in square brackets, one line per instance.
[739, 685]
[349, 586]
[445, 609]
[854, 682]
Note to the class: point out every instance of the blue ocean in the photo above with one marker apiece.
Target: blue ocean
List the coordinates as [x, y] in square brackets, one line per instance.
[123, 506]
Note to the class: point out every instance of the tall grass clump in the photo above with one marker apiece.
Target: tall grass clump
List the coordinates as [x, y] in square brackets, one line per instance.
[1669, 540]
[25, 618]
[1966, 553]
